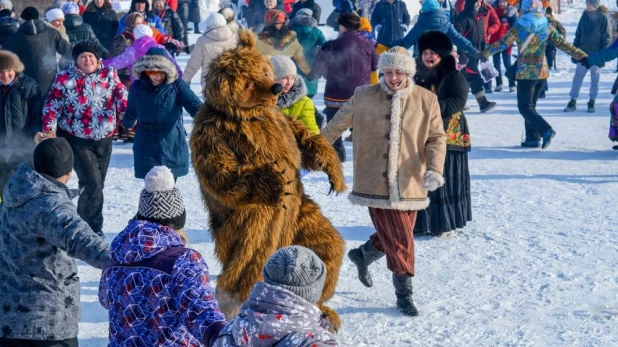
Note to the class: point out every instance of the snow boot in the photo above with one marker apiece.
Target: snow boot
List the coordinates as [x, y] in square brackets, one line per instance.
[547, 136]
[591, 108]
[403, 291]
[498, 89]
[484, 104]
[572, 106]
[531, 144]
[512, 89]
[362, 257]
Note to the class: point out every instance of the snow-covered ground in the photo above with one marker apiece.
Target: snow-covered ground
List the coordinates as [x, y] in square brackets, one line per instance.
[536, 267]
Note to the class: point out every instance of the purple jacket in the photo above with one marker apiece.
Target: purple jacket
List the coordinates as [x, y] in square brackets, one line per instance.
[346, 63]
[132, 54]
[157, 291]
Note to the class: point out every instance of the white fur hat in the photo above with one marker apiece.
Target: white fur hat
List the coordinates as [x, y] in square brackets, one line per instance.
[53, 14]
[141, 31]
[397, 58]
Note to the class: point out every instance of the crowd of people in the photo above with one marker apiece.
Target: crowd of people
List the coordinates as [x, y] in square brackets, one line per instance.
[80, 76]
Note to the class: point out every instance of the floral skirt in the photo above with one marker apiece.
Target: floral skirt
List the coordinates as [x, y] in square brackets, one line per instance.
[449, 207]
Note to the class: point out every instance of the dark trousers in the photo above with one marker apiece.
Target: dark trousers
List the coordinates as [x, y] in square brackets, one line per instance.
[338, 144]
[528, 92]
[550, 55]
[506, 59]
[38, 343]
[473, 76]
[183, 13]
[91, 163]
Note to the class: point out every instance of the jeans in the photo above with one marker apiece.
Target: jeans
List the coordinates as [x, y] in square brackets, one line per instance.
[38, 343]
[338, 144]
[506, 59]
[580, 73]
[528, 92]
[91, 164]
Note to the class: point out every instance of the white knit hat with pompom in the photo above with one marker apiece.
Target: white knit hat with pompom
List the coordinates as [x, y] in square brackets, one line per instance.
[160, 202]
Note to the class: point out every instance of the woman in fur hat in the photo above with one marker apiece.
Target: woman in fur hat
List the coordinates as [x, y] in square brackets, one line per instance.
[20, 112]
[449, 206]
[156, 100]
[399, 149]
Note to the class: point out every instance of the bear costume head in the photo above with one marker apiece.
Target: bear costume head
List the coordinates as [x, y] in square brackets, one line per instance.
[241, 78]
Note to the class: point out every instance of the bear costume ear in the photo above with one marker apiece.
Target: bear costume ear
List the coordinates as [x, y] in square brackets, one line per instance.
[246, 39]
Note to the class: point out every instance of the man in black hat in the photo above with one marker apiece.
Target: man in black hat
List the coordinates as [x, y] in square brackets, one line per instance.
[40, 234]
[84, 105]
[36, 45]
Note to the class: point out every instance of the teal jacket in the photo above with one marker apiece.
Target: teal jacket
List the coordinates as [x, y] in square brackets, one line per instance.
[311, 38]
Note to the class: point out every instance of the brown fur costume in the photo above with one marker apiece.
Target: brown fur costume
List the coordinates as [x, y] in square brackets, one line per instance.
[247, 156]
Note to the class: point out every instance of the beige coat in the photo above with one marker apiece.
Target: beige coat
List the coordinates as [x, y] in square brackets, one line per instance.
[207, 48]
[397, 137]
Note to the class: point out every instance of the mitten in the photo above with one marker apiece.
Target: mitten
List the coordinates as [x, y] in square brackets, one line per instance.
[432, 180]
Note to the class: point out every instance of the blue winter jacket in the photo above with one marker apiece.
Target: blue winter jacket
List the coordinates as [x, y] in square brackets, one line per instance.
[40, 234]
[160, 137]
[157, 291]
[434, 20]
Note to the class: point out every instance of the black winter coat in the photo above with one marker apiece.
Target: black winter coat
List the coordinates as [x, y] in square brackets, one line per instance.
[79, 31]
[8, 27]
[310, 4]
[36, 45]
[472, 28]
[390, 20]
[451, 87]
[172, 23]
[20, 119]
[103, 21]
[593, 33]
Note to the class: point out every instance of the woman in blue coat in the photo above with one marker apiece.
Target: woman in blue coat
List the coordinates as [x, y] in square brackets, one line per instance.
[156, 99]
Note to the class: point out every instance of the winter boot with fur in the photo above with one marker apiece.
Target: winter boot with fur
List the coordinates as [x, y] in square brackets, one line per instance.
[403, 290]
[572, 106]
[484, 104]
[591, 108]
[362, 257]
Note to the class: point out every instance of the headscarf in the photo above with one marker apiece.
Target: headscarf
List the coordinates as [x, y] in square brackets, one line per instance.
[533, 19]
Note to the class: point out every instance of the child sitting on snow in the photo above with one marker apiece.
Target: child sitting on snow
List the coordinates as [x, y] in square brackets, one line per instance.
[157, 291]
[281, 310]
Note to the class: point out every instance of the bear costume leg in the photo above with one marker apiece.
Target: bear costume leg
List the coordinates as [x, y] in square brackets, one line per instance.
[243, 245]
[317, 233]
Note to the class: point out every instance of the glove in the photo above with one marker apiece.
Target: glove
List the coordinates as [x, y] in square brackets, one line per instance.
[585, 63]
[432, 180]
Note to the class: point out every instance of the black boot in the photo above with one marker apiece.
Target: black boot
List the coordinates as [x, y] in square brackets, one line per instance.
[362, 257]
[484, 104]
[403, 290]
[591, 107]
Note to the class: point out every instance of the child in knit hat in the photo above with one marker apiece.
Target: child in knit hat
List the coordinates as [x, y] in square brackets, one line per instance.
[293, 100]
[156, 290]
[281, 310]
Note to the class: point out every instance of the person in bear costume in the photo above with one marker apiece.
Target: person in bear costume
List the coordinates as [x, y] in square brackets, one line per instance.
[247, 156]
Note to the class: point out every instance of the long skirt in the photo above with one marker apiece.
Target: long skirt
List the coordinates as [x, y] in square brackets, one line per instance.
[449, 206]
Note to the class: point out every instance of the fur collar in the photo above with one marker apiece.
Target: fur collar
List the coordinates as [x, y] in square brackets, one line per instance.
[400, 93]
[288, 39]
[155, 63]
[298, 91]
[426, 77]
[305, 21]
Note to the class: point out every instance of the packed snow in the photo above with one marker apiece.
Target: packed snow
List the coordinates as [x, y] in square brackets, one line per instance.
[536, 267]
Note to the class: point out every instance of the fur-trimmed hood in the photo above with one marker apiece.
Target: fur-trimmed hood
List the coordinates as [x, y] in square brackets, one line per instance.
[298, 91]
[155, 63]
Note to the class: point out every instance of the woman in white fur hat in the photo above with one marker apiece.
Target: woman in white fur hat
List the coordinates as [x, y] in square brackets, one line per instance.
[399, 151]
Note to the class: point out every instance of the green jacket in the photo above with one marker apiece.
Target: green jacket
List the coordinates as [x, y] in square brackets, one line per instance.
[311, 38]
[296, 105]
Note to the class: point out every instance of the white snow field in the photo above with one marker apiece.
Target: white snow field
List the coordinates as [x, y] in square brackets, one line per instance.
[536, 267]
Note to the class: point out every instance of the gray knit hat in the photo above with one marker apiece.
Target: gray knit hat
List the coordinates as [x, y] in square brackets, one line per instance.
[595, 3]
[305, 12]
[160, 202]
[298, 270]
[283, 66]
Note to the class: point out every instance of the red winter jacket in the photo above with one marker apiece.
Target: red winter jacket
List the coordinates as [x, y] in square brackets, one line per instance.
[491, 22]
[287, 5]
[504, 25]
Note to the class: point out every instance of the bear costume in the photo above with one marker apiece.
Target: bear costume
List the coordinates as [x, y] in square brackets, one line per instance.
[247, 156]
